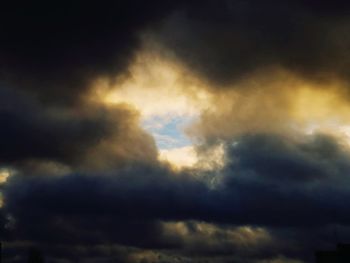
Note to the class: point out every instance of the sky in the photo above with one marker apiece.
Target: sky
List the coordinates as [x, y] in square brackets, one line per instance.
[174, 131]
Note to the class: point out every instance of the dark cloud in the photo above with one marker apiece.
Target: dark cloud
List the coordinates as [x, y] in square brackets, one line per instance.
[69, 135]
[271, 177]
[55, 49]
[268, 181]
[226, 40]
[32, 132]
[276, 158]
[2, 223]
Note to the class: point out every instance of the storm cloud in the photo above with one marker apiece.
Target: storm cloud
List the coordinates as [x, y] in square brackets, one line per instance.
[300, 184]
[224, 41]
[86, 90]
[68, 135]
[55, 49]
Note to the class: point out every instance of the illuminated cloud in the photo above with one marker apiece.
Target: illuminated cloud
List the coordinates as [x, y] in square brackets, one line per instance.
[206, 237]
[157, 84]
[168, 98]
[180, 157]
[274, 102]
[4, 174]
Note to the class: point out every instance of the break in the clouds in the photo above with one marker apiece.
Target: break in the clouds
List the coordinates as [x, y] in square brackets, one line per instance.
[174, 131]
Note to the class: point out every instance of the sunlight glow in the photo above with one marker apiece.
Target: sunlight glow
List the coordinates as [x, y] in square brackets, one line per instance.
[179, 157]
[168, 99]
[157, 87]
[4, 175]
[179, 109]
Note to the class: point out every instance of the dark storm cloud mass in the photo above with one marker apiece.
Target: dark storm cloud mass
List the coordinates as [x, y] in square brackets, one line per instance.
[225, 40]
[275, 177]
[32, 132]
[68, 135]
[300, 184]
[306, 178]
[56, 48]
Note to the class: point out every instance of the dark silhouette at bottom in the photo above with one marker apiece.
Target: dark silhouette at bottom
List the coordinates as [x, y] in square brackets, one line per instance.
[35, 256]
[340, 255]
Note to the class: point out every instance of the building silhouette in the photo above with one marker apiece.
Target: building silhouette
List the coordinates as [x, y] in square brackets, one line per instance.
[340, 255]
